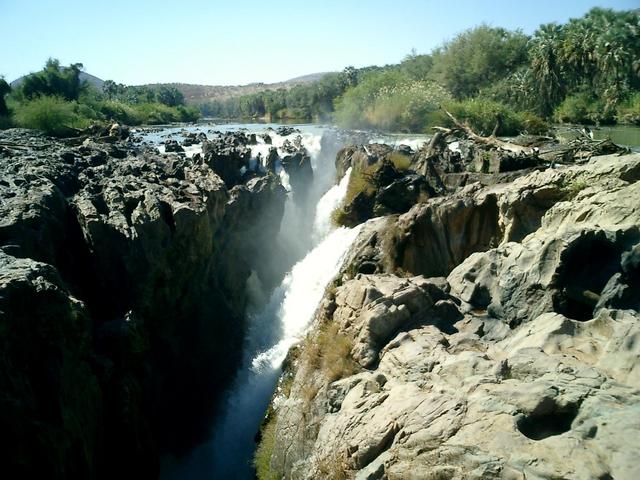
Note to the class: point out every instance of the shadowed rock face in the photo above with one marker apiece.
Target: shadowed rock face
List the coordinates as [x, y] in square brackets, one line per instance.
[489, 334]
[122, 285]
[50, 401]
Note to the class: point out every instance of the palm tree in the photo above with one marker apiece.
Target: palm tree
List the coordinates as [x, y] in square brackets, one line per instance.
[546, 67]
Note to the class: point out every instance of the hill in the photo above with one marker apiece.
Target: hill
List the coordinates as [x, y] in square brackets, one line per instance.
[203, 93]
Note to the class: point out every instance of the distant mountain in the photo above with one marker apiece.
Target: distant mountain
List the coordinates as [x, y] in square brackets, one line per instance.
[84, 77]
[312, 77]
[204, 93]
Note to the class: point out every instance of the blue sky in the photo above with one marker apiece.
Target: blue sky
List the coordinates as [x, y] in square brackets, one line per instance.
[237, 42]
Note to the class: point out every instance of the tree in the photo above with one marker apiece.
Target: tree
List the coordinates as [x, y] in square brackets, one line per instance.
[547, 67]
[598, 53]
[110, 89]
[169, 95]
[53, 80]
[5, 88]
[416, 66]
[350, 75]
[477, 58]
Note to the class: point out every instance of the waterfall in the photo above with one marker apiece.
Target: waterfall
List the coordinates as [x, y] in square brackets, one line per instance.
[301, 292]
[279, 324]
[327, 204]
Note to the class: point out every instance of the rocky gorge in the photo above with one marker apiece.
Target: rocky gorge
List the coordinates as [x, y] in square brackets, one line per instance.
[484, 326]
[461, 307]
[122, 296]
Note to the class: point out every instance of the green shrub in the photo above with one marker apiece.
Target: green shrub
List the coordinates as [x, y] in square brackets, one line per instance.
[159, 114]
[571, 188]
[188, 114]
[330, 352]
[120, 112]
[583, 107]
[389, 102]
[531, 123]
[482, 115]
[52, 115]
[156, 113]
[629, 111]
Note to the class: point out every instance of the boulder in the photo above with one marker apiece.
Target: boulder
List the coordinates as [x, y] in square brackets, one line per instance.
[285, 131]
[227, 158]
[172, 146]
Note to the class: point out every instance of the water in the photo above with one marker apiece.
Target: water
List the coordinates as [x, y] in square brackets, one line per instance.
[278, 320]
[626, 135]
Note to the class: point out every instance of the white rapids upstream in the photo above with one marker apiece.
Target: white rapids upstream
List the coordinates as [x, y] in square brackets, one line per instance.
[278, 325]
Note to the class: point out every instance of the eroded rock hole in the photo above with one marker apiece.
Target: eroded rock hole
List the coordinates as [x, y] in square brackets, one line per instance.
[548, 422]
[586, 266]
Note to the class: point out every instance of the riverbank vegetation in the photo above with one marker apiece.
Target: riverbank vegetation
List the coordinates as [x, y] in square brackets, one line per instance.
[584, 71]
[57, 102]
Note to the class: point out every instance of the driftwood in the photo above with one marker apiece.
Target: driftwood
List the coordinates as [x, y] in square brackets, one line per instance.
[13, 146]
[582, 148]
[491, 140]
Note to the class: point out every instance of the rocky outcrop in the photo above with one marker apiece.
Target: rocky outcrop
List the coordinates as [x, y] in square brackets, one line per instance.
[173, 146]
[382, 182]
[488, 334]
[296, 162]
[122, 296]
[386, 180]
[285, 131]
[227, 155]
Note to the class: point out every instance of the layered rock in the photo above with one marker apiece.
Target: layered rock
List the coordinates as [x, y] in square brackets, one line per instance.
[489, 334]
[142, 260]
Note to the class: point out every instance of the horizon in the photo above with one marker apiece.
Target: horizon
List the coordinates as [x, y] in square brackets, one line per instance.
[199, 51]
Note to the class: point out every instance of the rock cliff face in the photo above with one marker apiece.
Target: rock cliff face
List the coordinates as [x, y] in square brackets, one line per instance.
[491, 333]
[122, 296]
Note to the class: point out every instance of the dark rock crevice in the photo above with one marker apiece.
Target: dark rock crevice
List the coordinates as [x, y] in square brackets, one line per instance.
[140, 304]
[548, 420]
[586, 266]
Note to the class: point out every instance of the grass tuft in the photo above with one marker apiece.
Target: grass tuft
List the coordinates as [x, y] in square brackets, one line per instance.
[264, 452]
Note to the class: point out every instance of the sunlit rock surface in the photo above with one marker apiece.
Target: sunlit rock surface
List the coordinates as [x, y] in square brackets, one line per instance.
[493, 333]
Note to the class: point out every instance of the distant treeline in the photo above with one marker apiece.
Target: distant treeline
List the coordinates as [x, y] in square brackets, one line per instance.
[584, 71]
[57, 102]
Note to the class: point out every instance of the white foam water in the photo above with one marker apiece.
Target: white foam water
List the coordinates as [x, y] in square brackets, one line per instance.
[282, 322]
[322, 224]
[301, 292]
